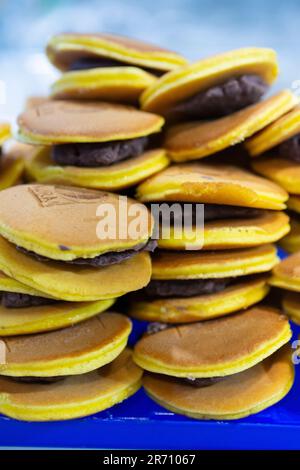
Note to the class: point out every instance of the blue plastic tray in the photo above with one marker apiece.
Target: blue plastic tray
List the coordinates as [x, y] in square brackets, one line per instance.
[139, 423]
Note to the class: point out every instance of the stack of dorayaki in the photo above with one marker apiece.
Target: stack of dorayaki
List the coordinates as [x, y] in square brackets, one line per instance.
[132, 119]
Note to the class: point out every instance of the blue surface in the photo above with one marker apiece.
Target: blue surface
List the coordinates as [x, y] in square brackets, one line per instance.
[139, 423]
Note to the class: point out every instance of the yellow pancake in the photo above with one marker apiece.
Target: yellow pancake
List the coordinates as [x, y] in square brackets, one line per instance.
[236, 397]
[212, 184]
[284, 172]
[65, 223]
[280, 130]
[5, 132]
[267, 227]
[287, 273]
[75, 283]
[23, 321]
[291, 242]
[190, 79]
[63, 49]
[114, 177]
[70, 351]
[213, 265]
[294, 204]
[73, 397]
[119, 84]
[203, 307]
[198, 139]
[58, 122]
[291, 306]
[219, 347]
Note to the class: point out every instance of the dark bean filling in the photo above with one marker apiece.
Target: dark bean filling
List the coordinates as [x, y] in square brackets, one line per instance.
[200, 382]
[37, 380]
[95, 155]
[18, 300]
[185, 287]
[221, 100]
[212, 212]
[106, 259]
[290, 148]
[86, 63]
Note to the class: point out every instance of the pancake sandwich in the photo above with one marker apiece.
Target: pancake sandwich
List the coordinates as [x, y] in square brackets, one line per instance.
[227, 368]
[92, 144]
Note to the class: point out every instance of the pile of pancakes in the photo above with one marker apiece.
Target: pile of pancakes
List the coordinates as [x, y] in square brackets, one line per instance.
[131, 121]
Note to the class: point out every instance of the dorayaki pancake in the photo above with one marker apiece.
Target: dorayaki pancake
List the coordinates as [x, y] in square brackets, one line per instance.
[242, 294]
[5, 132]
[198, 139]
[64, 49]
[266, 227]
[213, 265]
[122, 84]
[277, 133]
[66, 223]
[22, 321]
[291, 242]
[212, 184]
[73, 350]
[74, 396]
[287, 273]
[114, 177]
[34, 101]
[214, 348]
[62, 122]
[283, 171]
[237, 396]
[294, 204]
[76, 283]
[291, 306]
[209, 75]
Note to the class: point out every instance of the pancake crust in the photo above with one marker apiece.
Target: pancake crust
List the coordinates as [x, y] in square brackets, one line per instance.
[63, 49]
[117, 84]
[236, 397]
[75, 396]
[287, 273]
[16, 321]
[186, 81]
[213, 265]
[267, 227]
[214, 348]
[199, 139]
[203, 307]
[70, 351]
[63, 223]
[56, 121]
[280, 130]
[284, 172]
[291, 306]
[75, 283]
[212, 184]
[115, 177]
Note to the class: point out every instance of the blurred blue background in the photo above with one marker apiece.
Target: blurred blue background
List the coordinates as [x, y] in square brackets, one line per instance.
[195, 28]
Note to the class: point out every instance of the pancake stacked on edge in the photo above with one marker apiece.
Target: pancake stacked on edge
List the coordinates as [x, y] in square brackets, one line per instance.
[205, 272]
[107, 67]
[91, 144]
[217, 102]
[227, 368]
[59, 273]
[278, 149]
